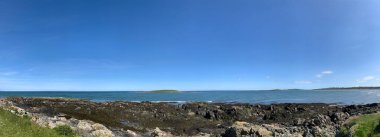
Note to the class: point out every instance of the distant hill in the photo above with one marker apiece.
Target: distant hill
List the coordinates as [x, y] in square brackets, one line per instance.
[285, 89]
[347, 88]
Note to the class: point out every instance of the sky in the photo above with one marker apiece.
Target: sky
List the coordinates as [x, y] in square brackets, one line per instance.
[188, 44]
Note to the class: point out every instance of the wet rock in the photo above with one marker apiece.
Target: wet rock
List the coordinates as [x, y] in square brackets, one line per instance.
[231, 132]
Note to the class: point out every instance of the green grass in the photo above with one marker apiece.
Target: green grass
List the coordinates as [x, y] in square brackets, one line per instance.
[14, 126]
[363, 126]
[64, 130]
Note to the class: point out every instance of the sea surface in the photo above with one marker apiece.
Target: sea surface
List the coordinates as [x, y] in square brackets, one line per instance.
[254, 97]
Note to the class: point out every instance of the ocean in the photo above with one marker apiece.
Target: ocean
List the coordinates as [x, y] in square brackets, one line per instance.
[253, 97]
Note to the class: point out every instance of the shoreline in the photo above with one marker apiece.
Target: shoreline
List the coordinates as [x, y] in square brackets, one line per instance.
[254, 97]
[122, 118]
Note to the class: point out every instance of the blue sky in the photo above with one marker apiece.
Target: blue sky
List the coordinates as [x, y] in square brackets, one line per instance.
[188, 44]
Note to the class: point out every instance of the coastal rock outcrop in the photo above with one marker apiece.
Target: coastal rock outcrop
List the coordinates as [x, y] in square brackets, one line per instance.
[244, 129]
[84, 128]
[135, 119]
[159, 133]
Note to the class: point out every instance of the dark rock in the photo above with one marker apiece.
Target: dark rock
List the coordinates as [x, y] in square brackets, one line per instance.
[230, 132]
[193, 118]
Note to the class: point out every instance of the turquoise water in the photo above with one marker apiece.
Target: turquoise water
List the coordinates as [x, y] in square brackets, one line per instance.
[257, 96]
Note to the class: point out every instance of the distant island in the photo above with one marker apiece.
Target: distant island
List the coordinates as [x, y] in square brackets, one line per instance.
[284, 89]
[347, 88]
[164, 91]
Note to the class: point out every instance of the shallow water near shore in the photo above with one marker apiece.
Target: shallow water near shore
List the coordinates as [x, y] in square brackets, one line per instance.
[254, 97]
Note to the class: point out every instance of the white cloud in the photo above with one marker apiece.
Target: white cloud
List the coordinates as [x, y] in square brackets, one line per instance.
[327, 72]
[303, 82]
[324, 73]
[366, 79]
[8, 73]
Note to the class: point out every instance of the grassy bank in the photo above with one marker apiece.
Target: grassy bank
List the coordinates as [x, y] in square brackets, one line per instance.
[363, 126]
[14, 126]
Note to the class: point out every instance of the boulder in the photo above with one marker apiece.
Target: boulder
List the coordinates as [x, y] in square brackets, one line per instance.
[159, 133]
[84, 127]
[98, 126]
[102, 133]
[130, 133]
[339, 117]
[239, 129]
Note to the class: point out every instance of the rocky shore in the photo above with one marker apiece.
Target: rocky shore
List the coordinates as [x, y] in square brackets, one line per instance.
[120, 118]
